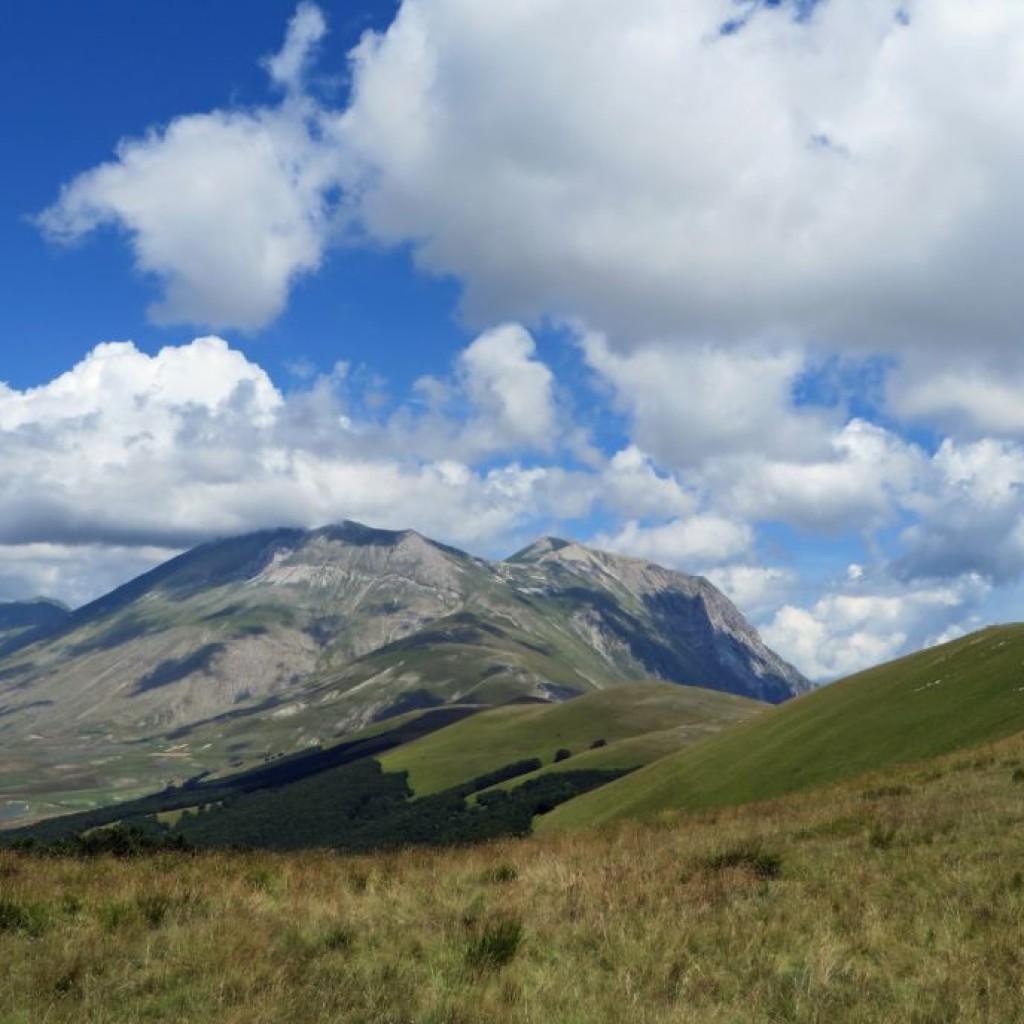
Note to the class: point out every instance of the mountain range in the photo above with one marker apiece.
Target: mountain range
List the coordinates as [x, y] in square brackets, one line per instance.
[247, 648]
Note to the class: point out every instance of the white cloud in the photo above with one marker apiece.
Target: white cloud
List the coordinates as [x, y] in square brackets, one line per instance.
[132, 452]
[689, 405]
[511, 391]
[682, 542]
[632, 486]
[756, 589]
[226, 209]
[868, 474]
[74, 574]
[970, 516]
[631, 167]
[968, 398]
[845, 632]
[305, 30]
[659, 179]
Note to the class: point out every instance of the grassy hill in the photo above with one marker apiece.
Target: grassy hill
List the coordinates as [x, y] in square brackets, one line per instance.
[943, 699]
[637, 723]
[896, 898]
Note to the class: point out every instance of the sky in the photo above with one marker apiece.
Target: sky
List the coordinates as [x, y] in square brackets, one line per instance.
[730, 286]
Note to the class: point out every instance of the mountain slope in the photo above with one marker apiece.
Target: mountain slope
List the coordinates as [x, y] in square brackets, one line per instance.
[934, 702]
[20, 621]
[286, 638]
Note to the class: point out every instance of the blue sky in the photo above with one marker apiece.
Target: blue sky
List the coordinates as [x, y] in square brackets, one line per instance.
[742, 303]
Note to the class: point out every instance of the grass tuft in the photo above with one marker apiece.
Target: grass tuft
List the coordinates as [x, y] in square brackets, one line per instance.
[763, 864]
[496, 945]
[29, 918]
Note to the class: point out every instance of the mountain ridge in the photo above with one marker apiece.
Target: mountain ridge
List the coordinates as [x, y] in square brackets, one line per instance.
[285, 638]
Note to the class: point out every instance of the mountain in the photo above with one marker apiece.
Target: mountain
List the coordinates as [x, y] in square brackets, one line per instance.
[283, 639]
[934, 702]
[20, 619]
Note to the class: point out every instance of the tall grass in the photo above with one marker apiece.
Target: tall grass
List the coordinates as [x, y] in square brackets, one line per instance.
[894, 898]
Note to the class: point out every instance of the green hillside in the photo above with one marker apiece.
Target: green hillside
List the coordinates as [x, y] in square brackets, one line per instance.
[934, 702]
[496, 738]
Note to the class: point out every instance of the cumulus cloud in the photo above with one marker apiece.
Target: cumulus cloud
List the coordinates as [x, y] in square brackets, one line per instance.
[688, 405]
[971, 516]
[131, 452]
[756, 589]
[866, 476]
[636, 168]
[305, 30]
[682, 542]
[225, 209]
[844, 632]
[660, 178]
[631, 485]
[74, 574]
[511, 391]
[965, 397]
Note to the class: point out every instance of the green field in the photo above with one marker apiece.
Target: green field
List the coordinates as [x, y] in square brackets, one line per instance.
[930, 703]
[493, 739]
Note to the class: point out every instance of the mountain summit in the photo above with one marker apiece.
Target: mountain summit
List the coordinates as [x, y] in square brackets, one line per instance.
[285, 638]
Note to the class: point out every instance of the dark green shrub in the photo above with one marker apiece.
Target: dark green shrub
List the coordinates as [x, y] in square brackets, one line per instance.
[598, 743]
[562, 754]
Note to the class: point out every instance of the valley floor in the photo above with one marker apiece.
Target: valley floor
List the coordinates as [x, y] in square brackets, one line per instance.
[896, 898]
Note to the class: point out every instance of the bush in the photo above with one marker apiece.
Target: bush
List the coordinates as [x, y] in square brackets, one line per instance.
[562, 754]
[598, 743]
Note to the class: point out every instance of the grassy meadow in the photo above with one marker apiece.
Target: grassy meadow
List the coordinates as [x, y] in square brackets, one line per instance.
[939, 700]
[671, 715]
[892, 897]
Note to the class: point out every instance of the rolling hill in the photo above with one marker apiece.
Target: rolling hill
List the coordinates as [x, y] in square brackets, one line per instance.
[645, 720]
[940, 700]
[409, 777]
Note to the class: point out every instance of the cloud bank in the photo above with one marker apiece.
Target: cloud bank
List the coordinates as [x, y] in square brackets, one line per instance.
[637, 168]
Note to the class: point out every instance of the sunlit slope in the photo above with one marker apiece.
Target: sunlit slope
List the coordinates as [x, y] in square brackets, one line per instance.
[493, 739]
[931, 703]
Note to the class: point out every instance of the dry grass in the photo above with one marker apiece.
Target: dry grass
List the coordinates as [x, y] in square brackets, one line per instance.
[899, 898]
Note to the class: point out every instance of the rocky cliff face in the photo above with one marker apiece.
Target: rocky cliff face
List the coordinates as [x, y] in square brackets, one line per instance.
[691, 631]
[285, 638]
